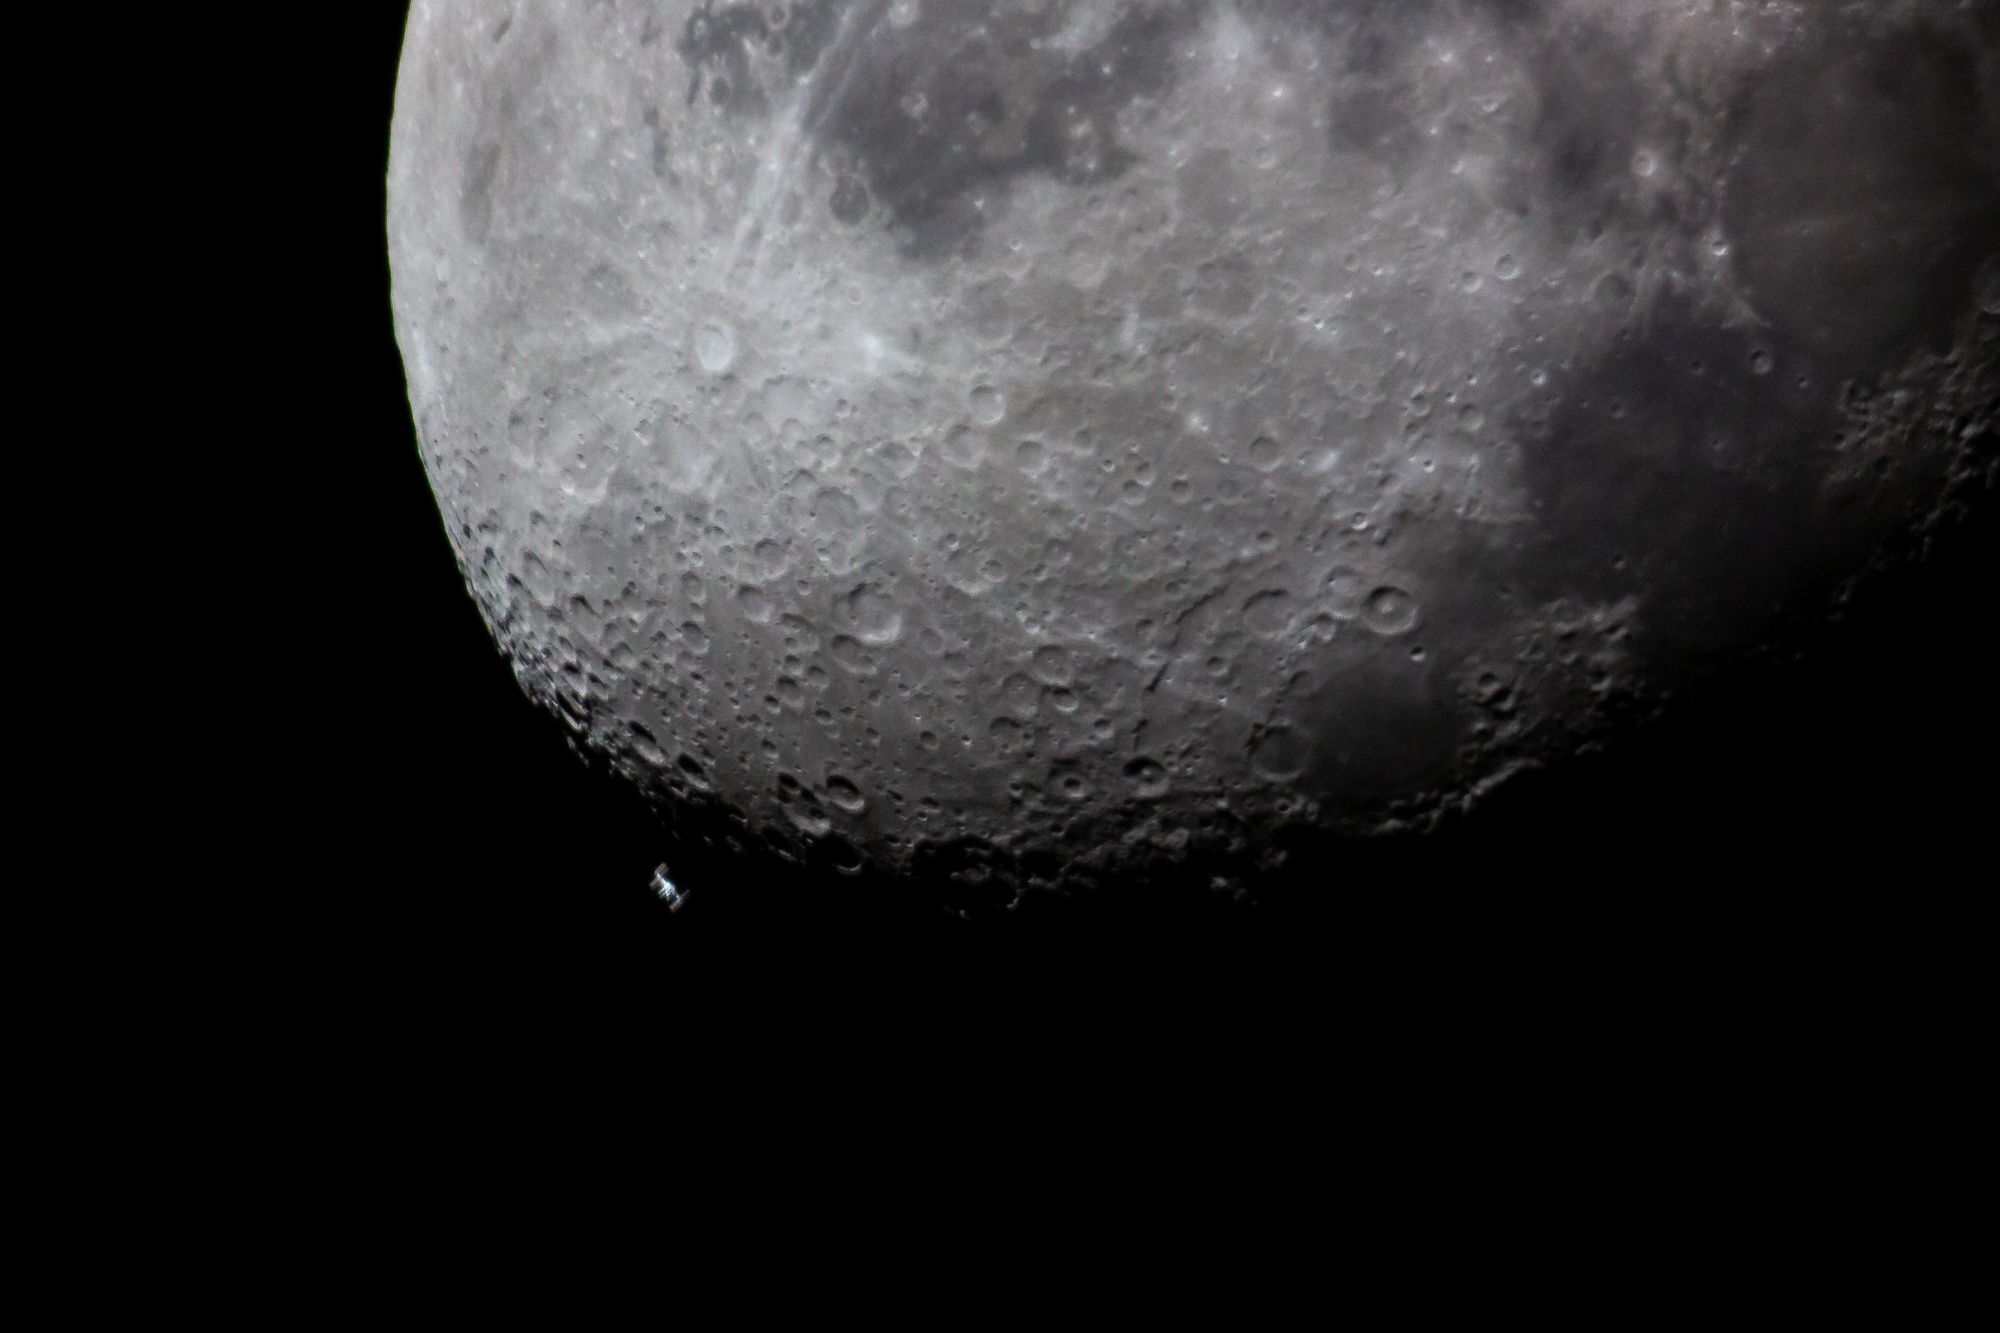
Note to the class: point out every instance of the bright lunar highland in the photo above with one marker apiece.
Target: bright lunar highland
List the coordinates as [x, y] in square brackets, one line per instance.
[1112, 431]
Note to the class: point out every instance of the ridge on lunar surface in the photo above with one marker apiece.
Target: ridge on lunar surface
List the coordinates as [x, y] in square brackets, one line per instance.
[1099, 432]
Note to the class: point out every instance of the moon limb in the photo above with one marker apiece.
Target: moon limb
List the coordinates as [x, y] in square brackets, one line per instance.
[1504, 264]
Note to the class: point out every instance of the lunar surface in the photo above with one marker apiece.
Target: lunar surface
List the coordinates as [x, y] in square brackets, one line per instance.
[1080, 436]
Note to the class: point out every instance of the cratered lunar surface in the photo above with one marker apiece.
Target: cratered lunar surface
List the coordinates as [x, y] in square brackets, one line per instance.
[1097, 432]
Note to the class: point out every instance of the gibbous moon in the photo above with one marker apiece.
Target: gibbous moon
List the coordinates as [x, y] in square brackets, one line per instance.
[1097, 432]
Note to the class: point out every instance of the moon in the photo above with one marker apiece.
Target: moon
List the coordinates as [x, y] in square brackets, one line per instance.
[1072, 438]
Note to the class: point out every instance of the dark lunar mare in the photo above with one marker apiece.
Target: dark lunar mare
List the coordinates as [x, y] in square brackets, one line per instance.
[1689, 461]
[1686, 465]
[1673, 467]
[1865, 192]
[932, 121]
[927, 120]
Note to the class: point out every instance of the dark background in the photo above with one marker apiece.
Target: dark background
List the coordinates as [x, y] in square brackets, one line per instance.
[1816, 831]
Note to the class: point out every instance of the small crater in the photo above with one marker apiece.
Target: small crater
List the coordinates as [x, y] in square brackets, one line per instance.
[843, 794]
[1613, 291]
[1281, 753]
[963, 447]
[1268, 613]
[841, 854]
[987, 404]
[849, 200]
[870, 614]
[1390, 611]
[715, 348]
[809, 819]
[851, 657]
[1148, 777]
[756, 607]
[1088, 264]
[1494, 693]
